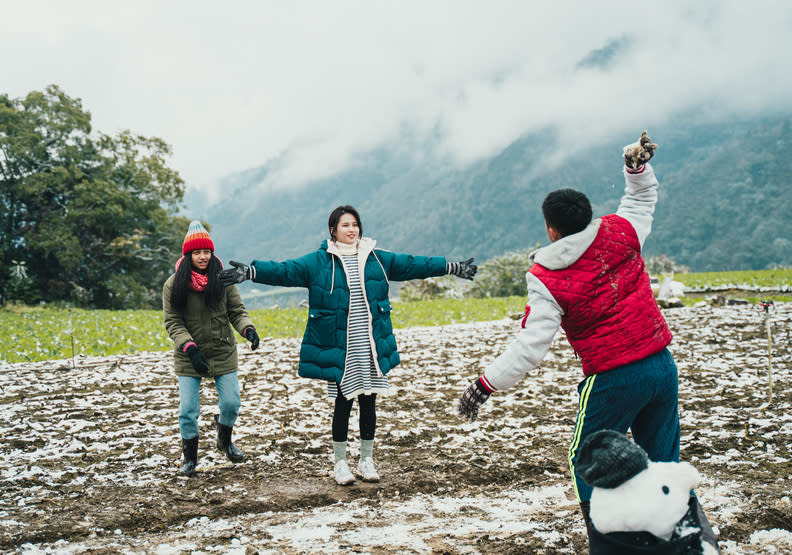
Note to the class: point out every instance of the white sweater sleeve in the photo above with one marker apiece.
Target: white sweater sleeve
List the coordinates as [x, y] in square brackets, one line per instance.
[638, 203]
[542, 321]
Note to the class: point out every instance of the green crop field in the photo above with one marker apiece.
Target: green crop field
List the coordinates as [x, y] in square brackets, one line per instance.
[750, 285]
[747, 279]
[36, 333]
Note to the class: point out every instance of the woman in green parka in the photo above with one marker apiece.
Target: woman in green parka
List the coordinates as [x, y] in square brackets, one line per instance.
[199, 312]
[348, 338]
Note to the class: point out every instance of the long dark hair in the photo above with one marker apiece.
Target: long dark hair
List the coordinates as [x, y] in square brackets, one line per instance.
[335, 216]
[214, 289]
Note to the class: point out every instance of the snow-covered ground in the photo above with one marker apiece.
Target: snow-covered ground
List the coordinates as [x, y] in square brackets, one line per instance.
[89, 456]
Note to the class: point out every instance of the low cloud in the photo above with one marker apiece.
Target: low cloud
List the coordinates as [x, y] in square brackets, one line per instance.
[314, 84]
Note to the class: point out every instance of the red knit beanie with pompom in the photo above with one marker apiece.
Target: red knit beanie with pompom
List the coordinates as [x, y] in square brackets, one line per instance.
[197, 238]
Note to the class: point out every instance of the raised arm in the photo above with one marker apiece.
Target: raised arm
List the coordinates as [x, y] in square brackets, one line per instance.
[640, 192]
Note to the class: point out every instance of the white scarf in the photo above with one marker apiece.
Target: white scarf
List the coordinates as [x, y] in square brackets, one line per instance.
[347, 250]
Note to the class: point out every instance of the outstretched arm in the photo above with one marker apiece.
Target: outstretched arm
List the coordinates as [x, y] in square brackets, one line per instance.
[289, 273]
[404, 267]
[539, 326]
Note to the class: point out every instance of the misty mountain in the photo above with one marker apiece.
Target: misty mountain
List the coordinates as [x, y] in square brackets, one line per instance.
[725, 199]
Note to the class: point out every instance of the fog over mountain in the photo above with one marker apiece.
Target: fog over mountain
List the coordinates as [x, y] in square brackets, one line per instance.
[312, 89]
[725, 198]
[445, 123]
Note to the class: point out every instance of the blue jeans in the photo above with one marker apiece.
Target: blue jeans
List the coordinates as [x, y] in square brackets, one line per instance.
[190, 402]
[641, 396]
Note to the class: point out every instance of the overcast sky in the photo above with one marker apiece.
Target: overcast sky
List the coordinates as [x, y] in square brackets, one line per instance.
[233, 85]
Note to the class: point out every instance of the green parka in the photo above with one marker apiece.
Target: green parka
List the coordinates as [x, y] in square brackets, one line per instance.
[323, 350]
[209, 329]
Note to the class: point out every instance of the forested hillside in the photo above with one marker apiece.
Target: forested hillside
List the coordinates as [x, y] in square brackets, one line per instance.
[729, 208]
[725, 199]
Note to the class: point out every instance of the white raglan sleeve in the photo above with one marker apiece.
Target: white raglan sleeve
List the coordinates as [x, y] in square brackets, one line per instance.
[539, 326]
[640, 197]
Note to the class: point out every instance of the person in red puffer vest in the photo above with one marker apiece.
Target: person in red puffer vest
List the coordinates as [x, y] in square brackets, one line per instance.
[591, 281]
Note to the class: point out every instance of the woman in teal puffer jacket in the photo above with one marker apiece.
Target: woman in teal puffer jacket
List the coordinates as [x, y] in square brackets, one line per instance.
[348, 338]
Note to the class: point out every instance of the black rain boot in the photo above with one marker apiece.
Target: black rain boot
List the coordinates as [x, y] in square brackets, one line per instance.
[190, 450]
[224, 442]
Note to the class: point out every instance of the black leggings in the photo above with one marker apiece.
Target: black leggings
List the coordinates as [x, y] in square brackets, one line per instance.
[368, 416]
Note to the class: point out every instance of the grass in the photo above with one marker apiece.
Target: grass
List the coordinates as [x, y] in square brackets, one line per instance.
[693, 298]
[36, 333]
[746, 279]
[31, 334]
[753, 286]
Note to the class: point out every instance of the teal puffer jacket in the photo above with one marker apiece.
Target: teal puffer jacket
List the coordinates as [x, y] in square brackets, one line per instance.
[323, 350]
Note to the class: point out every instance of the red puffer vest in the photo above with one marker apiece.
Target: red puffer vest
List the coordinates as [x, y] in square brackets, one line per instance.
[610, 315]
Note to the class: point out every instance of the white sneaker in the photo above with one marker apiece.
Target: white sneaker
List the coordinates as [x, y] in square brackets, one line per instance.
[343, 476]
[367, 471]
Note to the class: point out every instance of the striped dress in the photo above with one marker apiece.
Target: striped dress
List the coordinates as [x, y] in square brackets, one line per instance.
[360, 375]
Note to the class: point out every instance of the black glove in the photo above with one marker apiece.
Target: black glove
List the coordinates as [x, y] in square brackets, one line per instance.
[639, 153]
[471, 400]
[465, 269]
[239, 273]
[199, 361]
[251, 335]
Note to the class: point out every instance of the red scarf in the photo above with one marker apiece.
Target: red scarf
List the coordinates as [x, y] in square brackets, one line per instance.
[198, 282]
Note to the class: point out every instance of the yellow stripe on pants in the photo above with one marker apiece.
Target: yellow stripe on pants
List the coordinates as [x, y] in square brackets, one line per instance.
[582, 405]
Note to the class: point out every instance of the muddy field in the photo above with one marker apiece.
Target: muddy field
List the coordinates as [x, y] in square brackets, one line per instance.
[89, 455]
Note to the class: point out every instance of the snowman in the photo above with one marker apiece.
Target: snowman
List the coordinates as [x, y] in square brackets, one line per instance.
[640, 506]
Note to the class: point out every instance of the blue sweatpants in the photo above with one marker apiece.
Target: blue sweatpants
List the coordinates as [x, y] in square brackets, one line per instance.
[641, 396]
